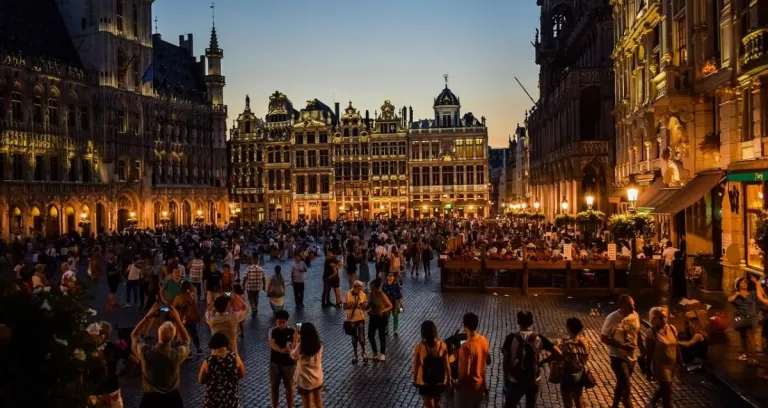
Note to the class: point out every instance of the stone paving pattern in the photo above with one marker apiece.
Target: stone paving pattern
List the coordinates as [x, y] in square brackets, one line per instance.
[388, 384]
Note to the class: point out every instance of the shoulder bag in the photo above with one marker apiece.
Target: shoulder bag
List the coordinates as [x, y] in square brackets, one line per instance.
[349, 329]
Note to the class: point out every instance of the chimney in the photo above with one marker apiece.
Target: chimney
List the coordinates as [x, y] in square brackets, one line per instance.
[336, 110]
[367, 119]
[410, 116]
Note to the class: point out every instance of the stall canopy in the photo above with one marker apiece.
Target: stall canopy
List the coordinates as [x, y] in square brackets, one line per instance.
[690, 193]
[653, 196]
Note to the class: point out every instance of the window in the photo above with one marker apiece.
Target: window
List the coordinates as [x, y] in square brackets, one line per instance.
[324, 159]
[447, 176]
[323, 137]
[470, 175]
[346, 132]
[312, 159]
[121, 121]
[414, 151]
[558, 24]
[364, 173]
[287, 177]
[376, 168]
[681, 34]
[311, 138]
[37, 110]
[137, 170]
[300, 159]
[754, 204]
[375, 149]
[300, 187]
[18, 166]
[480, 175]
[122, 62]
[338, 170]
[53, 168]
[271, 179]
[16, 112]
[435, 176]
[460, 175]
[325, 184]
[119, 15]
[53, 112]
[286, 156]
[313, 184]
[299, 138]
[38, 168]
[416, 177]
[401, 168]
[425, 176]
[71, 116]
[356, 171]
[120, 170]
[279, 180]
[84, 121]
[86, 166]
[354, 132]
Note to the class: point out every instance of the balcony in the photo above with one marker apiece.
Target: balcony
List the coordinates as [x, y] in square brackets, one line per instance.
[444, 130]
[755, 50]
[215, 79]
[478, 188]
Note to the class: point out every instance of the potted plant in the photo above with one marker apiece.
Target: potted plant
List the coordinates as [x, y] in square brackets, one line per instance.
[711, 143]
[628, 226]
[564, 220]
[590, 217]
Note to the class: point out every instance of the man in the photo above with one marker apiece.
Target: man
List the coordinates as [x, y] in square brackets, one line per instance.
[298, 273]
[521, 364]
[382, 259]
[236, 256]
[196, 268]
[212, 280]
[253, 283]
[281, 365]
[669, 257]
[474, 356]
[160, 363]
[328, 271]
[132, 283]
[171, 287]
[620, 333]
[224, 315]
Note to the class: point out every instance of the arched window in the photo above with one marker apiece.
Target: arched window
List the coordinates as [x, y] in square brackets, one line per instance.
[558, 24]
[354, 132]
[346, 132]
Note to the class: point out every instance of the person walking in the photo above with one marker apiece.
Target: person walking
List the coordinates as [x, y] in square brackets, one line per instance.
[474, 357]
[281, 366]
[276, 290]
[298, 275]
[196, 268]
[221, 373]
[224, 315]
[573, 363]
[620, 333]
[308, 353]
[236, 258]
[431, 368]
[133, 280]
[379, 307]
[364, 269]
[393, 290]
[661, 352]
[186, 305]
[356, 302]
[160, 363]
[113, 281]
[254, 282]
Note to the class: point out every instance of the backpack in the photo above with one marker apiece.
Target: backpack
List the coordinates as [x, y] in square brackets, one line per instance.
[525, 366]
[277, 290]
[433, 368]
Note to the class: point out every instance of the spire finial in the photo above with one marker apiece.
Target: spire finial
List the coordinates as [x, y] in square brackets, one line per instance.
[156, 25]
[214, 38]
[213, 13]
[446, 80]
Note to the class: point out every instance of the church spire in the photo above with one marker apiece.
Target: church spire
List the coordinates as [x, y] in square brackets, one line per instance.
[214, 38]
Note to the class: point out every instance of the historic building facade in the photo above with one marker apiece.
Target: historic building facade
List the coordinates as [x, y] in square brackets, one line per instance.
[389, 164]
[448, 162]
[691, 109]
[352, 165]
[571, 127]
[313, 163]
[116, 131]
[517, 172]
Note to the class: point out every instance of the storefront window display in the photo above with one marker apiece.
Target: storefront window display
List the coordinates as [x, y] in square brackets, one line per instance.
[754, 203]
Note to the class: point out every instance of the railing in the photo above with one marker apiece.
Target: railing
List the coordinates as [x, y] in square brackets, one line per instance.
[755, 45]
[478, 188]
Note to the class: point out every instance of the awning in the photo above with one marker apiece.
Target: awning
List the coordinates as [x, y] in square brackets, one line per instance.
[690, 193]
[653, 196]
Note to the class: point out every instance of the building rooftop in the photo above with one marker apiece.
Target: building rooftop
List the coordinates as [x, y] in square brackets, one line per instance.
[176, 71]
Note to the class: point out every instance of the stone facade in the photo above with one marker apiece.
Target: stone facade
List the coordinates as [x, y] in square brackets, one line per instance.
[571, 127]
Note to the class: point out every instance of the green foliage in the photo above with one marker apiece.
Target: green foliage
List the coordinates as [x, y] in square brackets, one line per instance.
[591, 217]
[628, 226]
[45, 350]
[564, 220]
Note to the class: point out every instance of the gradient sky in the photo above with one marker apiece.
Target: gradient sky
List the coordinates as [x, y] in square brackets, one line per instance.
[369, 51]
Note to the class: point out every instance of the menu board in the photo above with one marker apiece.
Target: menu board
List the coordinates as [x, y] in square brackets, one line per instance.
[611, 252]
[567, 252]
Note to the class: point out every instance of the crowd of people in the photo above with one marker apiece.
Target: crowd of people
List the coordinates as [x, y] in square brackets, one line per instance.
[183, 277]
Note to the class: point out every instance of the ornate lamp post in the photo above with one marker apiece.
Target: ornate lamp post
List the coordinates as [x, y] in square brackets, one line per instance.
[164, 219]
[632, 194]
[590, 200]
[564, 205]
[132, 221]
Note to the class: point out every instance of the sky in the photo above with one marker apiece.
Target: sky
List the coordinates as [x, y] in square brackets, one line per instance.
[368, 52]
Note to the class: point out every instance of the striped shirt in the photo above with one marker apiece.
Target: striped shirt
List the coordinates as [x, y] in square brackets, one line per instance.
[196, 270]
[254, 279]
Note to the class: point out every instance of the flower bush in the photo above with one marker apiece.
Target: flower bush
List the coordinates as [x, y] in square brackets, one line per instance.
[590, 216]
[564, 220]
[46, 351]
[628, 226]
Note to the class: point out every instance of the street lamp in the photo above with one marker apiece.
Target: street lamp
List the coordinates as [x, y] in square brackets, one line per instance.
[524, 205]
[632, 194]
[536, 205]
[564, 205]
[590, 200]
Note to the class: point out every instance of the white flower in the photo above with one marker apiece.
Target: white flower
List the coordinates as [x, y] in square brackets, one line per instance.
[94, 329]
[79, 354]
[60, 341]
[92, 312]
[46, 289]
[45, 305]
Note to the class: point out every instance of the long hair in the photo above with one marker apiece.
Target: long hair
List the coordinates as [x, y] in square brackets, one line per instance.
[310, 340]
[429, 333]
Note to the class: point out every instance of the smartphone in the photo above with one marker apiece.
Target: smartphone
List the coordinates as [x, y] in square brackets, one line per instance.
[461, 342]
[298, 326]
[164, 309]
[228, 294]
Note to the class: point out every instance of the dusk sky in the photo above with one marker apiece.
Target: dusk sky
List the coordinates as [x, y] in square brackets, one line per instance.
[370, 51]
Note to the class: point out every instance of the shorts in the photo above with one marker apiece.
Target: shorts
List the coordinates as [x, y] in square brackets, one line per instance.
[572, 382]
[334, 282]
[431, 390]
[281, 373]
[305, 392]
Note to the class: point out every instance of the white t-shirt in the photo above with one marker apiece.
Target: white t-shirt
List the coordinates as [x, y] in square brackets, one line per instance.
[669, 255]
[236, 251]
[625, 330]
[134, 273]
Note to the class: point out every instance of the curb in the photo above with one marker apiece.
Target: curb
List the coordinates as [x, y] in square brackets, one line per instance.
[722, 379]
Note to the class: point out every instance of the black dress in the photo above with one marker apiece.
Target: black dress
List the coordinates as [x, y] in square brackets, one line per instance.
[222, 383]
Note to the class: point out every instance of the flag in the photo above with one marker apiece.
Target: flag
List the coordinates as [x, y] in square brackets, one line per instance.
[148, 75]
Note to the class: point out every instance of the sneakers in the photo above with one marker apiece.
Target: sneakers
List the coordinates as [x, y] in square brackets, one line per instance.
[743, 357]
[382, 357]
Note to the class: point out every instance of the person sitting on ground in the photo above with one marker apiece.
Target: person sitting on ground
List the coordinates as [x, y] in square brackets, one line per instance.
[694, 341]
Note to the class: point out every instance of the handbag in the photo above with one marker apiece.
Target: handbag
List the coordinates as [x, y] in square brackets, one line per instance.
[589, 379]
[349, 329]
[742, 322]
[555, 372]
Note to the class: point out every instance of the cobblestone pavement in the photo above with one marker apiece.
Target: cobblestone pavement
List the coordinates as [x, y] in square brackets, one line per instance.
[388, 384]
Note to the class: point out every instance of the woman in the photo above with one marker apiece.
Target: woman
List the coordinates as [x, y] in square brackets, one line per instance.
[573, 363]
[226, 279]
[379, 306]
[113, 282]
[394, 261]
[276, 290]
[394, 292]
[106, 380]
[430, 353]
[661, 353]
[221, 372]
[355, 304]
[308, 353]
[186, 305]
[745, 302]
[364, 270]
[426, 258]
[694, 340]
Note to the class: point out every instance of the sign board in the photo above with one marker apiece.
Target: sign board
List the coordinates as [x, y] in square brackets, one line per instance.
[448, 206]
[748, 176]
[726, 238]
[611, 252]
[567, 252]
